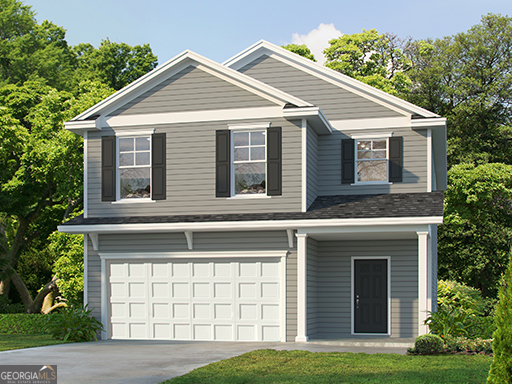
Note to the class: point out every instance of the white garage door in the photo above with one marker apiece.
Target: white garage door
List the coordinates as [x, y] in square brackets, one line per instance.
[195, 300]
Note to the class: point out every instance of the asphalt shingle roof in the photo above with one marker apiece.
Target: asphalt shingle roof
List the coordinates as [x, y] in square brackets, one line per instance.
[324, 207]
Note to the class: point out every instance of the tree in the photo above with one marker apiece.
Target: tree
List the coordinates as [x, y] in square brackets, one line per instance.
[375, 59]
[501, 367]
[29, 50]
[301, 50]
[114, 64]
[40, 168]
[476, 235]
[467, 78]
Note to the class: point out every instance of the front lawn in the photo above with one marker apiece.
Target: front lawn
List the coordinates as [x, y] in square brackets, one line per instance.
[270, 366]
[18, 341]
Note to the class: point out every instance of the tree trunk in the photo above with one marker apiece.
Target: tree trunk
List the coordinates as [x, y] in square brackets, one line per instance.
[5, 286]
[25, 295]
[37, 305]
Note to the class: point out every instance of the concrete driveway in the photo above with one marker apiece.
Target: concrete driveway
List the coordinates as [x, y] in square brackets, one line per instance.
[147, 362]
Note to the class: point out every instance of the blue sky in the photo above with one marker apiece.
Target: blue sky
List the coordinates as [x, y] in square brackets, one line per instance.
[219, 29]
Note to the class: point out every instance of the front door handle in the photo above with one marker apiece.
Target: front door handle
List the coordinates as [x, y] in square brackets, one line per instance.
[357, 301]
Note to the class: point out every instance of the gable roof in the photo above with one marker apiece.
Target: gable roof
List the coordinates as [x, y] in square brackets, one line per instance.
[329, 75]
[170, 68]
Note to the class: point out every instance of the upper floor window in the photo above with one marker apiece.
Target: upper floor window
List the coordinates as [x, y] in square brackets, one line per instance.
[249, 162]
[371, 160]
[135, 167]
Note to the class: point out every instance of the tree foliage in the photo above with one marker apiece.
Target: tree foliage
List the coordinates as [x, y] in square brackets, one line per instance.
[467, 78]
[475, 237]
[114, 64]
[373, 58]
[501, 367]
[301, 50]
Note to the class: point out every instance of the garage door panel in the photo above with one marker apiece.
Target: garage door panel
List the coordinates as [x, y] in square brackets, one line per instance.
[196, 300]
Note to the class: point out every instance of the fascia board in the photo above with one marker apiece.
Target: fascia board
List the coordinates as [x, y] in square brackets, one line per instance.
[358, 225]
[435, 123]
[315, 117]
[327, 74]
[177, 64]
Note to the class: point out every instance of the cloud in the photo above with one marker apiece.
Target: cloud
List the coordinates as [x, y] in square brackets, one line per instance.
[317, 39]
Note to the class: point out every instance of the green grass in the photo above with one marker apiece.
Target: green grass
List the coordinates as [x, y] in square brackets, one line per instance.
[270, 366]
[19, 341]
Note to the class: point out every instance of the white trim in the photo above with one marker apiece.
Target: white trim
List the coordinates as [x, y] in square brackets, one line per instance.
[376, 136]
[86, 270]
[189, 235]
[304, 165]
[429, 160]
[133, 133]
[376, 123]
[422, 281]
[249, 196]
[248, 127]
[289, 233]
[408, 228]
[86, 170]
[383, 182]
[317, 119]
[94, 240]
[333, 77]
[133, 200]
[302, 281]
[191, 255]
[433, 122]
[283, 299]
[104, 300]
[355, 225]
[352, 281]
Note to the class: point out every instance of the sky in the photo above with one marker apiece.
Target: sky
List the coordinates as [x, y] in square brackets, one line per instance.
[220, 29]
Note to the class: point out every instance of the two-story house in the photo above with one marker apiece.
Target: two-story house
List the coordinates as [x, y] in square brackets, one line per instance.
[266, 198]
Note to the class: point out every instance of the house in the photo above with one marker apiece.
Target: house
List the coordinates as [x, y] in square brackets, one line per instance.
[266, 198]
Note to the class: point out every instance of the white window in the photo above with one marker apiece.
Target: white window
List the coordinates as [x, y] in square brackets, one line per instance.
[134, 167]
[371, 160]
[249, 162]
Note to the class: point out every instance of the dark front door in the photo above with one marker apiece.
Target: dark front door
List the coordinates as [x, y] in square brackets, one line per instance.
[370, 296]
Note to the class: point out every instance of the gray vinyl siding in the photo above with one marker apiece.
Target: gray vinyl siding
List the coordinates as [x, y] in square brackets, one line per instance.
[203, 241]
[93, 280]
[312, 166]
[334, 285]
[414, 165]
[192, 90]
[312, 286]
[335, 102]
[190, 174]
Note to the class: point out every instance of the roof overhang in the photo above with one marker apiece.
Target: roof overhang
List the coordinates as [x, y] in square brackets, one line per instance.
[314, 115]
[346, 225]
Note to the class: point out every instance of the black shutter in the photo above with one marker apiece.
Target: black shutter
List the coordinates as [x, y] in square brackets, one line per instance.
[395, 159]
[223, 162]
[274, 161]
[158, 160]
[108, 168]
[347, 161]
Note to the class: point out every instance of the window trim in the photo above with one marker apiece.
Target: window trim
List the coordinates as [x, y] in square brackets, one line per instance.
[129, 135]
[362, 137]
[241, 129]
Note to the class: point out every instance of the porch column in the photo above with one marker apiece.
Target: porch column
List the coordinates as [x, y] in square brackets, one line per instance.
[301, 288]
[423, 284]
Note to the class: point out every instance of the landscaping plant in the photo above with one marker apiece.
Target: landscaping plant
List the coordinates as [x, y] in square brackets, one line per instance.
[74, 324]
[501, 367]
[428, 345]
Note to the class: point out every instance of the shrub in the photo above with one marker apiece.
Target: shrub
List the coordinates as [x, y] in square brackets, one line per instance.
[451, 294]
[501, 367]
[448, 321]
[428, 344]
[23, 323]
[6, 306]
[463, 344]
[74, 324]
